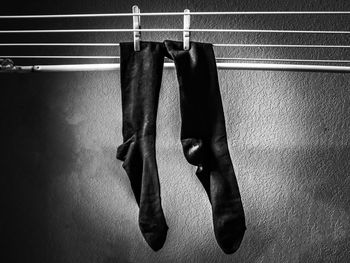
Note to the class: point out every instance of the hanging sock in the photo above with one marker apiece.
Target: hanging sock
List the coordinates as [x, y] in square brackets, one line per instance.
[141, 74]
[204, 140]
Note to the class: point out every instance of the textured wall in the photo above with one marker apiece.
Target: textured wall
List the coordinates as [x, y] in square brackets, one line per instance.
[67, 199]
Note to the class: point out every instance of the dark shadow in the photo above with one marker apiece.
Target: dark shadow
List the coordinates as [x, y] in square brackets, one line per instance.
[40, 154]
[38, 147]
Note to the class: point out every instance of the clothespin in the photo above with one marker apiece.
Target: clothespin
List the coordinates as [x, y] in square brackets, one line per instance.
[137, 25]
[186, 33]
[7, 64]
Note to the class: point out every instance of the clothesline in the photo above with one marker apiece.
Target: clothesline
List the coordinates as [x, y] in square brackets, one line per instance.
[179, 14]
[114, 30]
[215, 45]
[237, 66]
[186, 14]
[218, 59]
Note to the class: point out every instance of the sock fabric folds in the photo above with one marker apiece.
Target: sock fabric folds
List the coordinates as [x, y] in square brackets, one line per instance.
[203, 136]
[141, 74]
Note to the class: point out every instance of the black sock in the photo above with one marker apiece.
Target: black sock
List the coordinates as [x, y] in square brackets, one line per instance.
[204, 140]
[141, 74]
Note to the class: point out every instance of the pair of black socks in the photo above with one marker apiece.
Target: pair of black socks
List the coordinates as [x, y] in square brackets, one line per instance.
[203, 136]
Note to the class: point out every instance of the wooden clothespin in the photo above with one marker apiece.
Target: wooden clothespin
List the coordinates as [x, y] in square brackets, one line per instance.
[186, 33]
[137, 25]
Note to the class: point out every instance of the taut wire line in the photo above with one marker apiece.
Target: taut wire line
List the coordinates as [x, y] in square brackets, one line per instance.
[237, 66]
[179, 14]
[218, 59]
[60, 57]
[288, 60]
[114, 30]
[215, 45]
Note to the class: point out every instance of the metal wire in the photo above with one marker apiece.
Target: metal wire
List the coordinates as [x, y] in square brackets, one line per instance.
[218, 59]
[64, 57]
[281, 45]
[179, 14]
[215, 45]
[288, 60]
[60, 44]
[236, 66]
[114, 30]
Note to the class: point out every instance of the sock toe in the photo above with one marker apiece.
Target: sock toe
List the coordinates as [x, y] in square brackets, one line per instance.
[231, 243]
[229, 234]
[154, 234]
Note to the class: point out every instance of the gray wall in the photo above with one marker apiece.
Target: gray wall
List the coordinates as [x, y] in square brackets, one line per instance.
[67, 199]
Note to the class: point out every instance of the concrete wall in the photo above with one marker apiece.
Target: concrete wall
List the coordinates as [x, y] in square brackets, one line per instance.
[67, 199]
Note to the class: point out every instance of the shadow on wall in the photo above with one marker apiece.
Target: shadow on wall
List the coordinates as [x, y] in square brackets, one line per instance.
[42, 220]
[38, 147]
